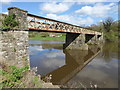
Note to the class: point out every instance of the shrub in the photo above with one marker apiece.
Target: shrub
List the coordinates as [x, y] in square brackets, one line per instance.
[9, 22]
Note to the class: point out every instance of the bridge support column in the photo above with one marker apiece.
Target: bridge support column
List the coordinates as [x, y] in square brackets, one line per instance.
[14, 50]
[91, 39]
[100, 38]
[94, 39]
[21, 17]
[75, 41]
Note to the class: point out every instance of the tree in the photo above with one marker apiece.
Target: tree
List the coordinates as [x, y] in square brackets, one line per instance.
[96, 27]
[107, 24]
[9, 22]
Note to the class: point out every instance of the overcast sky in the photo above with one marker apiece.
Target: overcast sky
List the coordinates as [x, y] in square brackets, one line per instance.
[79, 12]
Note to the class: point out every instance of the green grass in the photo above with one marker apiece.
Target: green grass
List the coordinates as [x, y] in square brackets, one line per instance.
[46, 38]
[13, 76]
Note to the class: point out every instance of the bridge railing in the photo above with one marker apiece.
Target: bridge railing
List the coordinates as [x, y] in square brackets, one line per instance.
[42, 23]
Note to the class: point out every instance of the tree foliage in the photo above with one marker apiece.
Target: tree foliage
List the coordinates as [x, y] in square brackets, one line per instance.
[9, 22]
[109, 27]
[107, 24]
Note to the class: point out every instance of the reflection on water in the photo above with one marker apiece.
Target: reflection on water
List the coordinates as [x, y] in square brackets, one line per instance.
[71, 69]
[75, 61]
[46, 59]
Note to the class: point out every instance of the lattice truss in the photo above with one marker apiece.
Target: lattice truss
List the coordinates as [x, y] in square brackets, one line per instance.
[44, 24]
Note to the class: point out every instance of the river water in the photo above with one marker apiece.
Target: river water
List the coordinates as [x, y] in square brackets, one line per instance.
[97, 67]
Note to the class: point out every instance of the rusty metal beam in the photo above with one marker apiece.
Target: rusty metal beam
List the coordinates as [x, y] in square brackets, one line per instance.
[44, 18]
[42, 23]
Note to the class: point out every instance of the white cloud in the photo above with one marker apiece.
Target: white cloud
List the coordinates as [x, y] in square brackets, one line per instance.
[71, 19]
[0, 7]
[87, 20]
[6, 1]
[63, 0]
[5, 13]
[86, 2]
[114, 9]
[59, 17]
[55, 7]
[54, 54]
[35, 49]
[91, 0]
[53, 62]
[53, 59]
[98, 10]
[94, 0]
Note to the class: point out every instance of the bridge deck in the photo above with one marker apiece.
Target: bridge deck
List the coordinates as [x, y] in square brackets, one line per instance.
[46, 24]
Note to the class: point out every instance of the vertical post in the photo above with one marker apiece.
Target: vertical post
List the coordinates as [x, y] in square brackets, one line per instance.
[93, 39]
[21, 17]
[75, 41]
[17, 41]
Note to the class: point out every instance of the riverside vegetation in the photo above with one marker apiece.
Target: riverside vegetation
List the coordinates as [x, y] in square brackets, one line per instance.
[13, 77]
[110, 29]
[46, 36]
[9, 23]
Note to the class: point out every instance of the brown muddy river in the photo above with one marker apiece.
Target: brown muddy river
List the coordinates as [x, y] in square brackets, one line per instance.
[97, 67]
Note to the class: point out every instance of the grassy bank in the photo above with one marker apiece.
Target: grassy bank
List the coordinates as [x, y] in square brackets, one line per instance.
[45, 36]
[14, 77]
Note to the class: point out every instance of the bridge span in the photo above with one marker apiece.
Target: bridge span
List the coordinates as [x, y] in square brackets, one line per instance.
[76, 37]
[46, 24]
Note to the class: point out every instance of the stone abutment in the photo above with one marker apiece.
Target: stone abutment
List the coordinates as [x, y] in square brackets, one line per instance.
[14, 48]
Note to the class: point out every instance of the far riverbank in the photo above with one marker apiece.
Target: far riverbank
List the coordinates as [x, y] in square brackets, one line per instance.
[45, 36]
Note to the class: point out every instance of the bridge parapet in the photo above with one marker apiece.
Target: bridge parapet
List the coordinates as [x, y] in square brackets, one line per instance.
[42, 23]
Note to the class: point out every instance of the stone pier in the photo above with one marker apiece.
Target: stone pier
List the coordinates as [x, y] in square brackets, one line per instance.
[14, 48]
[75, 41]
[81, 41]
[93, 39]
[14, 43]
[20, 16]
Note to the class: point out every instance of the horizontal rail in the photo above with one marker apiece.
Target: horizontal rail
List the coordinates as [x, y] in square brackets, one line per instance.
[52, 20]
[55, 20]
[42, 23]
